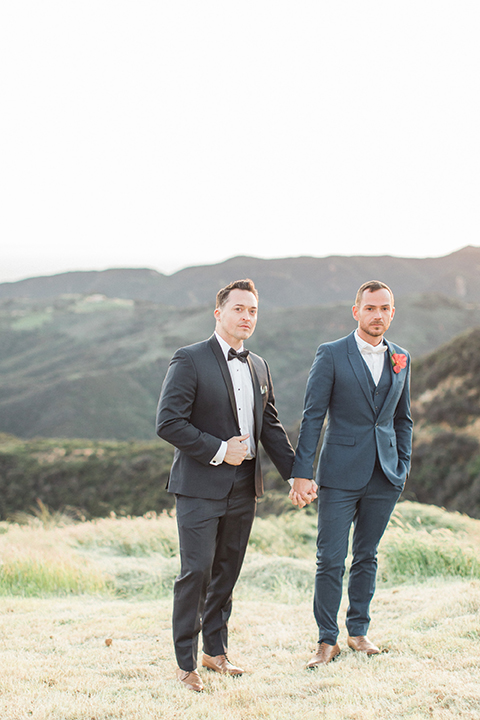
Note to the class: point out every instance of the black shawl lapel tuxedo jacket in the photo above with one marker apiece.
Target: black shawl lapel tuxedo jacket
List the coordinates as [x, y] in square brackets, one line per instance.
[197, 410]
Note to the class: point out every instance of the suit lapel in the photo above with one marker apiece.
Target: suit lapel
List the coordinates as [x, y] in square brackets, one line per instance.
[359, 368]
[217, 350]
[397, 382]
[257, 398]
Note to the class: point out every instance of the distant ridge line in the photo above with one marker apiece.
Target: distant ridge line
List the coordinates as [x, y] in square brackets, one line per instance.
[301, 281]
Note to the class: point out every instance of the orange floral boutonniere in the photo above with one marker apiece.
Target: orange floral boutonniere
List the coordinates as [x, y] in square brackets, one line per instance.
[399, 361]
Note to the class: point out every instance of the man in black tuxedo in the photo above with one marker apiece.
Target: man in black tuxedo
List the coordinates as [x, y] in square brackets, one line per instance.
[216, 405]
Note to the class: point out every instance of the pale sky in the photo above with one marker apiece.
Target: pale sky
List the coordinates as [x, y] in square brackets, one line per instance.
[169, 133]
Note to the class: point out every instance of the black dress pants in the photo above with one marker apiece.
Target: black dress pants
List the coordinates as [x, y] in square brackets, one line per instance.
[213, 538]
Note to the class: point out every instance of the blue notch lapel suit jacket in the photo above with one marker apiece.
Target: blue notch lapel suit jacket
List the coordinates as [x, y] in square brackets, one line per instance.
[197, 410]
[356, 433]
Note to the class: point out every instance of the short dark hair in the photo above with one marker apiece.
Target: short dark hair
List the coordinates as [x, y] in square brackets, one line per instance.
[246, 284]
[371, 286]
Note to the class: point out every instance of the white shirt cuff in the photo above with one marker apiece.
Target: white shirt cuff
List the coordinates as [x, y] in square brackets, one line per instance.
[220, 456]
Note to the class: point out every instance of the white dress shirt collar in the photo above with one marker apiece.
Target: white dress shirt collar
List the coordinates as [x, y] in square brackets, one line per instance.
[368, 347]
[373, 355]
[225, 346]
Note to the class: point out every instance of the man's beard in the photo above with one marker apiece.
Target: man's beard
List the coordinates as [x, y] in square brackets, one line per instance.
[374, 333]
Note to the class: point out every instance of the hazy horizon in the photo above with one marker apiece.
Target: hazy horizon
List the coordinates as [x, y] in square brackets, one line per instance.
[219, 262]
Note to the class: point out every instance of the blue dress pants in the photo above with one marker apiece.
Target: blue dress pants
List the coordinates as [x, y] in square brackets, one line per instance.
[369, 509]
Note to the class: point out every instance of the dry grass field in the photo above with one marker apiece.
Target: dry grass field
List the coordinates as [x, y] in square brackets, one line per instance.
[67, 589]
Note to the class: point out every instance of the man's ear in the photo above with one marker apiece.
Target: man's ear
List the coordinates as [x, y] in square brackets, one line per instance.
[355, 312]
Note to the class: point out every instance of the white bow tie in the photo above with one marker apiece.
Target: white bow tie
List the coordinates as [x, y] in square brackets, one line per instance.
[374, 349]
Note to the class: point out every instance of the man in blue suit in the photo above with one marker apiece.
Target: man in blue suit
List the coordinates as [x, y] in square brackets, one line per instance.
[363, 382]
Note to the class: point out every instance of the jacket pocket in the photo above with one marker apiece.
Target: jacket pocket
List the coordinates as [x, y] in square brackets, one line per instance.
[340, 440]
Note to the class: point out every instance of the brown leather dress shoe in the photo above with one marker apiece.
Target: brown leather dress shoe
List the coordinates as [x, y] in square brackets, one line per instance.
[362, 644]
[325, 654]
[221, 664]
[191, 680]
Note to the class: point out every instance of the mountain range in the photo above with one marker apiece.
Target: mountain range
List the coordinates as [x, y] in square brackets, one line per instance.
[286, 282]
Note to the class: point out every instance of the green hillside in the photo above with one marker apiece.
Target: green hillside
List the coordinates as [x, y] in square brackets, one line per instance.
[446, 408]
[87, 478]
[92, 366]
[98, 477]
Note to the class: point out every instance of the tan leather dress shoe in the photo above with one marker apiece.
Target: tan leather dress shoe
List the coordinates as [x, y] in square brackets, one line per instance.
[221, 664]
[191, 680]
[362, 644]
[325, 654]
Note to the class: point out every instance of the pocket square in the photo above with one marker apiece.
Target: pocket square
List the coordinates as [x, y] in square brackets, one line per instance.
[263, 389]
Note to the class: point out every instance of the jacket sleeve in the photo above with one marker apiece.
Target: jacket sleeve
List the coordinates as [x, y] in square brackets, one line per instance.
[175, 407]
[403, 424]
[317, 399]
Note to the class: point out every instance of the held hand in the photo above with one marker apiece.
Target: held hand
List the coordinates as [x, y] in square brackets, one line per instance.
[236, 450]
[303, 492]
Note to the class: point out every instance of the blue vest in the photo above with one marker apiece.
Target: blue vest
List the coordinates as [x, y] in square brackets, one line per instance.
[380, 391]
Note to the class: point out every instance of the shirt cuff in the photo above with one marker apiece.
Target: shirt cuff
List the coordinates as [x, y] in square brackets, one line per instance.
[220, 456]
[290, 480]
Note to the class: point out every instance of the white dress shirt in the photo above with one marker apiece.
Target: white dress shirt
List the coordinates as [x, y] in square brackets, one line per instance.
[244, 400]
[373, 356]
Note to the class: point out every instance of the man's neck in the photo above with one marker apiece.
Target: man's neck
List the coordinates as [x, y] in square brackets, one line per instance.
[231, 341]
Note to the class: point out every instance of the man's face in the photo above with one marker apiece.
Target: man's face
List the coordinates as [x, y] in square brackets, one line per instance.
[374, 315]
[236, 320]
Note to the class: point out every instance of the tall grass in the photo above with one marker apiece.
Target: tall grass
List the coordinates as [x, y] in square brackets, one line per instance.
[33, 576]
[137, 536]
[424, 541]
[138, 557]
[408, 555]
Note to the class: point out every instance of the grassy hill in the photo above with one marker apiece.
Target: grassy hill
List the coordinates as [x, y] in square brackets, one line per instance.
[446, 408]
[85, 621]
